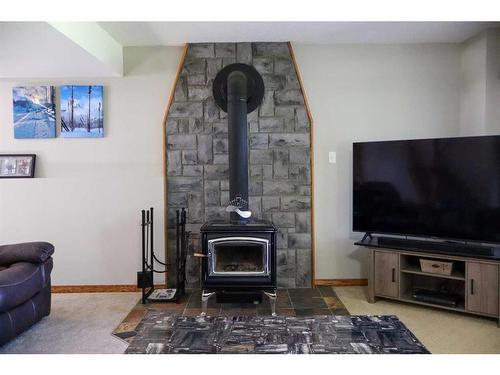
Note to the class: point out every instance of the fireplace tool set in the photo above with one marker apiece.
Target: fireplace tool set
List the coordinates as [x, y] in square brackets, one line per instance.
[145, 277]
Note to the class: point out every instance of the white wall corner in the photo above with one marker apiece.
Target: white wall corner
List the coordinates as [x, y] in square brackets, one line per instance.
[492, 121]
[95, 40]
[480, 86]
[473, 85]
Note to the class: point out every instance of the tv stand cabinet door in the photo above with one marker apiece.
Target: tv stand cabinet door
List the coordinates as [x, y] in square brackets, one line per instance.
[386, 274]
[482, 288]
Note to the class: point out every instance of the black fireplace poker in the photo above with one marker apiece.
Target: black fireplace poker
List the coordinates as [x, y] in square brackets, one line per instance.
[238, 90]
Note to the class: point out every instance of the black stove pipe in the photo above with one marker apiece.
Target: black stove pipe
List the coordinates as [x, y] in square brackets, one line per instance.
[238, 140]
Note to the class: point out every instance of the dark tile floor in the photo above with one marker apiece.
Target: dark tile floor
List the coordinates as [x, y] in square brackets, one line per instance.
[298, 302]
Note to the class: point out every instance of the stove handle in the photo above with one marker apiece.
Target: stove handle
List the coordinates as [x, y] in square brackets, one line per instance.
[200, 255]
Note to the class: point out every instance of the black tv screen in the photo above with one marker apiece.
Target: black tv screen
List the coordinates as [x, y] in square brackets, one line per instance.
[446, 188]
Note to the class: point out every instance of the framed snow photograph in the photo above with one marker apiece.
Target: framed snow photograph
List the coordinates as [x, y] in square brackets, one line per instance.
[34, 112]
[81, 111]
[17, 166]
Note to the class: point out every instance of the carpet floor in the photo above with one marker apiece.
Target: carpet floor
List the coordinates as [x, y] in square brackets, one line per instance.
[441, 331]
[82, 323]
[78, 323]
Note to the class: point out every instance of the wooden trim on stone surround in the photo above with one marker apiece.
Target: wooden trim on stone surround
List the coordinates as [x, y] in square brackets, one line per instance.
[97, 288]
[164, 130]
[341, 282]
[309, 115]
[311, 137]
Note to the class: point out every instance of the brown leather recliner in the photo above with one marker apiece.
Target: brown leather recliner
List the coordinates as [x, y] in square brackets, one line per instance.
[24, 286]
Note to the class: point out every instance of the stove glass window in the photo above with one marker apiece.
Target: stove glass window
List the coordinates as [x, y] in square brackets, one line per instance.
[239, 257]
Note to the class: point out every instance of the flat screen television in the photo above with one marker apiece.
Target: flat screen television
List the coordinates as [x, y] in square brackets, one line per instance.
[447, 188]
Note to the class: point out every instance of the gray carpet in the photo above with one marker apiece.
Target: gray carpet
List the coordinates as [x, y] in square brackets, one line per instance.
[162, 332]
[92, 317]
[78, 323]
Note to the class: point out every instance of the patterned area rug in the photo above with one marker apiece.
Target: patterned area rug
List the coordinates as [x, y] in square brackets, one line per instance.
[162, 332]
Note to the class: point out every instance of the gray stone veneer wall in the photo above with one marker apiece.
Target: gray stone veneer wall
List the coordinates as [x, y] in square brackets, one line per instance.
[279, 136]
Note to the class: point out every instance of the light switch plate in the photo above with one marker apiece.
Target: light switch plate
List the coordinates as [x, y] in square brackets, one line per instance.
[332, 157]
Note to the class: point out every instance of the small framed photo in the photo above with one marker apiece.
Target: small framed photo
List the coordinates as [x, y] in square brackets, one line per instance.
[17, 166]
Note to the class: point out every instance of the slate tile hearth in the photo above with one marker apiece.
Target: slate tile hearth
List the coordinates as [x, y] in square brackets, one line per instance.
[290, 302]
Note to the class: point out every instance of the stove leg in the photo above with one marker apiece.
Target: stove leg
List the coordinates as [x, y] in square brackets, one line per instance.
[205, 296]
[272, 300]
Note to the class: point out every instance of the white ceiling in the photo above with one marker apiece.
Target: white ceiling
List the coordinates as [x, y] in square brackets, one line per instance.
[178, 33]
[37, 49]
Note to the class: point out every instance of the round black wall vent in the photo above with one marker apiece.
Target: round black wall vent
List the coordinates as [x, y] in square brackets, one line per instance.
[255, 86]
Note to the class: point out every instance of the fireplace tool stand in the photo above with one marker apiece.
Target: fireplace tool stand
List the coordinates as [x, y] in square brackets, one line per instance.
[145, 279]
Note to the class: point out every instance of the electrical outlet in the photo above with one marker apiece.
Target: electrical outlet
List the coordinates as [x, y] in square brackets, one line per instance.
[332, 157]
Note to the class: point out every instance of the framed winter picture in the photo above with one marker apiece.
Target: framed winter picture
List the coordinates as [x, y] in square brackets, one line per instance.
[82, 112]
[17, 166]
[34, 112]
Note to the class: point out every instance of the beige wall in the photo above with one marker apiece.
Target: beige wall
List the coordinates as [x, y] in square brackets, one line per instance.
[88, 192]
[364, 93]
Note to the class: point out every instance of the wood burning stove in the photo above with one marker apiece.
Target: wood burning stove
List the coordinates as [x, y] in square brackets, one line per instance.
[239, 255]
[239, 261]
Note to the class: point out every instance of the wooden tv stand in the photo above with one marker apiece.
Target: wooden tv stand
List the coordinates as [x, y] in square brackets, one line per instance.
[396, 272]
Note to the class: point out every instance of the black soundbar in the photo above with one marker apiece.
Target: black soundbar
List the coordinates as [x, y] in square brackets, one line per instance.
[436, 247]
[435, 297]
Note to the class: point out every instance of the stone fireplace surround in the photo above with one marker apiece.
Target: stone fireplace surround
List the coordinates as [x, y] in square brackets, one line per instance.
[280, 164]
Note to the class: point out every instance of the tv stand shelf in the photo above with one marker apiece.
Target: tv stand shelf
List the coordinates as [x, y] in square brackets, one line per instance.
[473, 286]
[416, 271]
